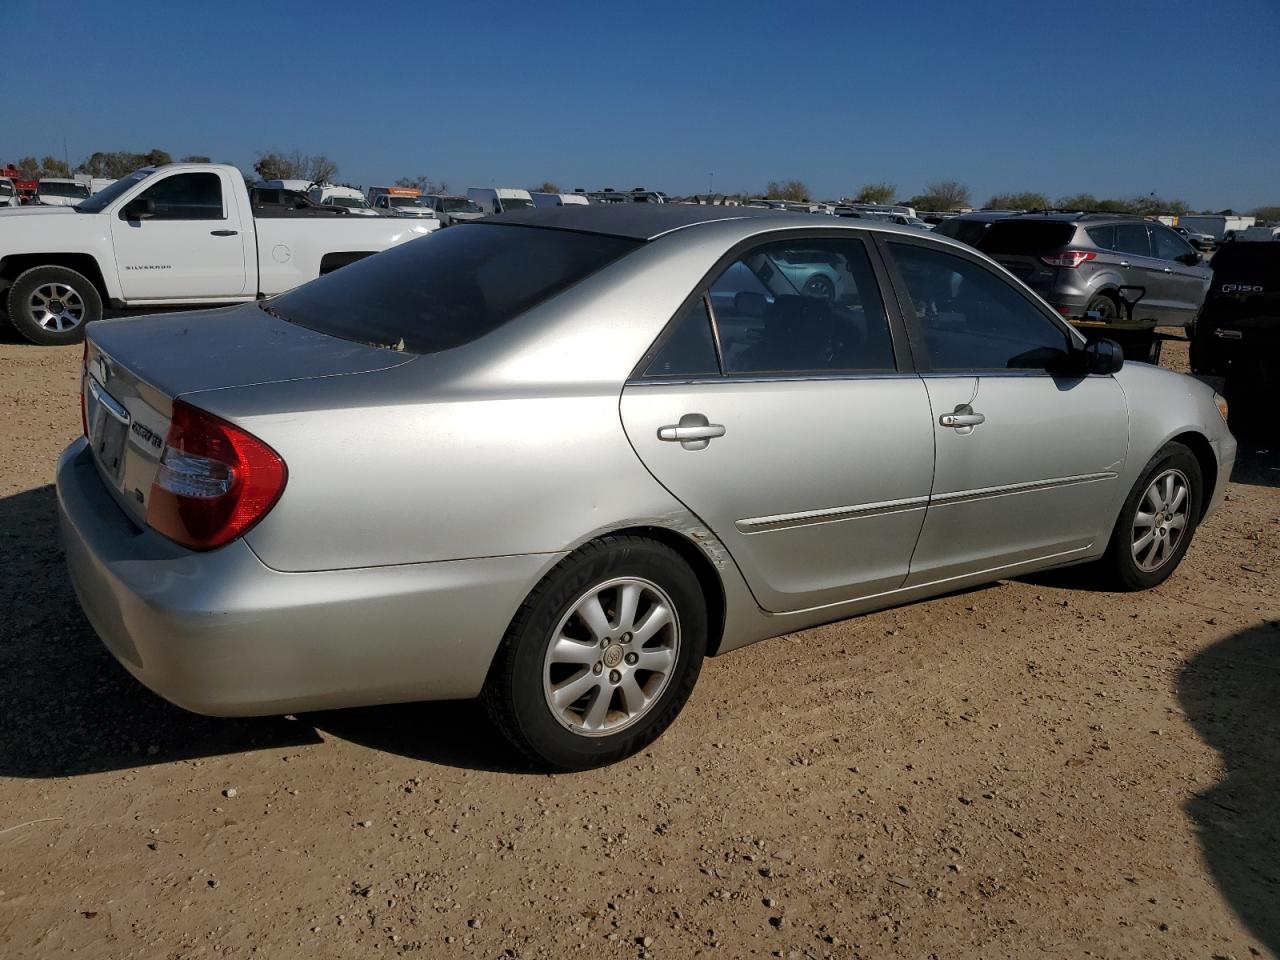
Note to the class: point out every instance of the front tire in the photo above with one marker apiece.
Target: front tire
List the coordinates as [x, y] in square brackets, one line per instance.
[1157, 521]
[51, 305]
[601, 657]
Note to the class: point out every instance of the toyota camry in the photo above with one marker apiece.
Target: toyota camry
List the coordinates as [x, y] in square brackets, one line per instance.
[555, 458]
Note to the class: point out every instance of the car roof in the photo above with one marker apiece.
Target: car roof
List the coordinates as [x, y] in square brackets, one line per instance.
[648, 221]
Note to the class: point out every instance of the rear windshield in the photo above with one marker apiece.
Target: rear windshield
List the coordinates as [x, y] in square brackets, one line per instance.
[966, 231]
[448, 288]
[1026, 236]
[72, 190]
[1245, 261]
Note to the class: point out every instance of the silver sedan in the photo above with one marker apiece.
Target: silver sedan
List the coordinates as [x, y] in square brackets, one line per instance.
[556, 458]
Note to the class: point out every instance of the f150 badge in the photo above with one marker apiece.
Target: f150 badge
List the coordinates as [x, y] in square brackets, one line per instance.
[1241, 288]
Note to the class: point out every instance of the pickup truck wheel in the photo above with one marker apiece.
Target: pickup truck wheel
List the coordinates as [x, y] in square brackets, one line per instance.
[51, 305]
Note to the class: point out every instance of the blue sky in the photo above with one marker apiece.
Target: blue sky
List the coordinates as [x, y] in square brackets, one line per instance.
[1112, 98]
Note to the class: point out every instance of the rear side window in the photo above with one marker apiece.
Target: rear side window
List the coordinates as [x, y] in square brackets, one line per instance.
[1104, 237]
[1133, 238]
[690, 351]
[802, 306]
[450, 287]
[187, 196]
[1016, 236]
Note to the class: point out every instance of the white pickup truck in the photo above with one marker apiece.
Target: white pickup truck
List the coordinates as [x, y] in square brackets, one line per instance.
[180, 234]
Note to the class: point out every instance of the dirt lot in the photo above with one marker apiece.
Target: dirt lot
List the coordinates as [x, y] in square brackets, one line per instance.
[1032, 769]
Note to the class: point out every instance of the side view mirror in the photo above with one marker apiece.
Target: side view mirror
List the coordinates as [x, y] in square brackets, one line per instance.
[1103, 356]
[1190, 259]
[140, 209]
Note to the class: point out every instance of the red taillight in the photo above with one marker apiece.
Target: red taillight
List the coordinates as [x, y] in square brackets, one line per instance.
[1069, 258]
[84, 372]
[215, 481]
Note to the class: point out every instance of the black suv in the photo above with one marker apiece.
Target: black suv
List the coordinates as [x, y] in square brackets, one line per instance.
[1237, 335]
[1080, 261]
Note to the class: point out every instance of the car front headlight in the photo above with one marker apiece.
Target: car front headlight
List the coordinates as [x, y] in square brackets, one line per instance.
[1221, 403]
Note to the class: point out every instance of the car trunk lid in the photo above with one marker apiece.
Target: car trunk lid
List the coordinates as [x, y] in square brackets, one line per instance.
[1018, 245]
[136, 368]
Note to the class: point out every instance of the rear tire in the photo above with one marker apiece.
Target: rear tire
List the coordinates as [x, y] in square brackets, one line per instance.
[620, 670]
[51, 305]
[1156, 523]
[1107, 306]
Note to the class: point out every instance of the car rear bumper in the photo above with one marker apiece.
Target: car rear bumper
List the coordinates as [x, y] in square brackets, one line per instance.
[221, 633]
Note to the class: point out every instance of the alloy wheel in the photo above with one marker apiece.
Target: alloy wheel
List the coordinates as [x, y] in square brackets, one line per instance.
[611, 657]
[57, 307]
[1161, 520]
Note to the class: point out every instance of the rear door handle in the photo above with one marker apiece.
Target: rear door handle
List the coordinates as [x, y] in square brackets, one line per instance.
[1168, 269]
[693, 432]
[1124, 263]
[223, 233]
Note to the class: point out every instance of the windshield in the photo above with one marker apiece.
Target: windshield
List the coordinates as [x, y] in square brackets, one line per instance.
[448, 288]
[514, 203]
[347, 201]
[405, 201]
[103, 198]
[458, 205]
[46, 189]
[6, 190]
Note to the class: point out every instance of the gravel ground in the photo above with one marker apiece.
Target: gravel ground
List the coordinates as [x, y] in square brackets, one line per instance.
[1030, 769]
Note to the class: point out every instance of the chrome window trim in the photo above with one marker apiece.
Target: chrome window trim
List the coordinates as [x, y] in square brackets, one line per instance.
[770, 378]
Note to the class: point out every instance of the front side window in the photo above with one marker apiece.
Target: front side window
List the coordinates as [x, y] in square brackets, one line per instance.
[1133, 239]
[802, 306]
[971, 319]
[1168, 245]
[187, 196]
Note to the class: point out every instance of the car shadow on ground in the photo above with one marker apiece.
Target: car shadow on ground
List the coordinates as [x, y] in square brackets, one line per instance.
[1230, 693]
[69, 709]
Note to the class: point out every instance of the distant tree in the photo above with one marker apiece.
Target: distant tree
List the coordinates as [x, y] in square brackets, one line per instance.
[1270, 214]
[794, 190]
[942, 195]
[1087, 201]
[1151, 206]
[316, 168]
[876, 193]
[118, 163]
[1018, 201]
[196, 158]
[46, 167]
[423, 183]
[547, 187]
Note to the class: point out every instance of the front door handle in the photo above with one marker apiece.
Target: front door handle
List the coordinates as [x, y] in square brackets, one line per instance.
[1168, 269]
[223, 233]
[1124, 263]
[962, 419]
[693, 432]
